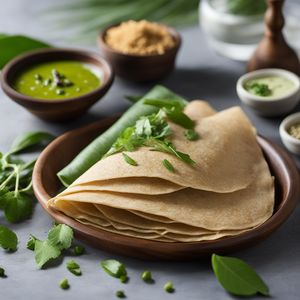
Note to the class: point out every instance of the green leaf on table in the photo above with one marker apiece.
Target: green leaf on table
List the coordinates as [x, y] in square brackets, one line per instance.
[237, 277]
[114, 268]
[73, 267]
[45, 251]
[61, 236]
[17, 207]
[8, 239]
[30, 139]
[11, 46]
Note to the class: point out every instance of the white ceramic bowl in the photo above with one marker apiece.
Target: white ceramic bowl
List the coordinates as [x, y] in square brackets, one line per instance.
[269, 107]
[291, 143]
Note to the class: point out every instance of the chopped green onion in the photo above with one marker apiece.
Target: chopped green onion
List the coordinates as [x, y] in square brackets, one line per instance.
[120, 294]
[191, 135]
[74, 267]
[168, 165]
[79, 250]
[31, 242]
[129, 160]
[168, 287]
[64, 284]
[123, 278]
[147, 276]
[2, 273]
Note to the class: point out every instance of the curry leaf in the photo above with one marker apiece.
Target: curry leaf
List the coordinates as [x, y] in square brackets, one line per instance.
[237, 277]
[8, 239]
[14, 45]
[30, 139]
[113, 268]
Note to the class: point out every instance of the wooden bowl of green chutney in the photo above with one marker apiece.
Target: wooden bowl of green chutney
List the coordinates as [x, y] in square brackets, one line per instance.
[57, 84]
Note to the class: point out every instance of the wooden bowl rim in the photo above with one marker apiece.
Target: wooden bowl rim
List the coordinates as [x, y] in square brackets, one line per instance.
[289, 202]
[173, 32]
[12, 93]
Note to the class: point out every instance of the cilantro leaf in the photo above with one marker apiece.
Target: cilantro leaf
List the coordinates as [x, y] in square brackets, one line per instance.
[61, 236]
[74, 267]
[8, 239]
[45, 251]
[17, 207]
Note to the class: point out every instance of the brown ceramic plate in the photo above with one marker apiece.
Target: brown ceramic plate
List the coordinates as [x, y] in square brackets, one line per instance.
[62, 150]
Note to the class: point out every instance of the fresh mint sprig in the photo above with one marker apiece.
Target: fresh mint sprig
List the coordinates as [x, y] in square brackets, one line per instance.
[16, 177]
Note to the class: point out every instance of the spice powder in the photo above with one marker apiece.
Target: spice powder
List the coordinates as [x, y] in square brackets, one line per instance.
[140, 38]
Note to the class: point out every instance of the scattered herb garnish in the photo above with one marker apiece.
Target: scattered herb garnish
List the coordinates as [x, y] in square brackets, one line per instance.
[173, 110]
[8, 239]
[79, 250]
[120, 294]
[59, 238]
[168, 166]
[2, 273]
[147, 277]
[129, 160]
[191, 135]
[31, 242]
[74, 267]
[237, 277]
[124, 279]
[114, 268]
[149, 131]
[15, 177]
[64, 284]
[168, 287]
[259, 89]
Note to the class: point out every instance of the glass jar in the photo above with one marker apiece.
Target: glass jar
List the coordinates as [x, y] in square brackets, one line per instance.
[235, 31]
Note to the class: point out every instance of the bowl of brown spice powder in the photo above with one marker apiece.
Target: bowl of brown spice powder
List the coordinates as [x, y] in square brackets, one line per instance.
[140, 50]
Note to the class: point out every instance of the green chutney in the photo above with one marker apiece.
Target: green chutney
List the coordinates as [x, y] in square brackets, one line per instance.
[270, 87]
[57, 80]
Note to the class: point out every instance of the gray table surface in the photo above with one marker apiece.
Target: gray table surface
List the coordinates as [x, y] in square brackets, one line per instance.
[200, 74]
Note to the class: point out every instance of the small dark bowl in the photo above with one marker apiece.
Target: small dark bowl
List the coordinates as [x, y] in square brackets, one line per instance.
[56, 110]
[140, 68]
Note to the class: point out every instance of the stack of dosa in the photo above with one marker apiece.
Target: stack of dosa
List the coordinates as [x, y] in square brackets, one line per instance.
[228, 191]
